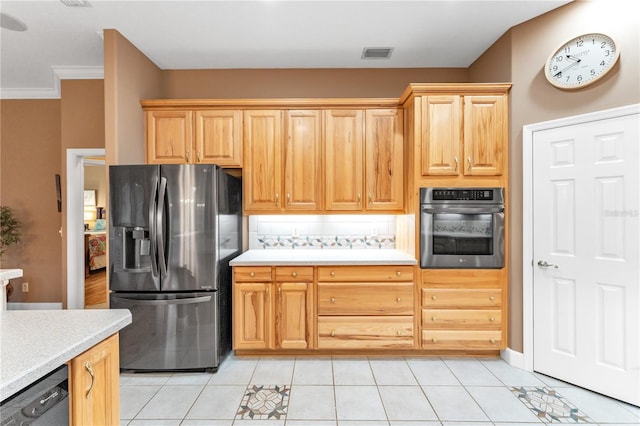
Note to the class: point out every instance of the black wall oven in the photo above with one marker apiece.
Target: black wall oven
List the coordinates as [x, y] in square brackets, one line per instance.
[462, 228]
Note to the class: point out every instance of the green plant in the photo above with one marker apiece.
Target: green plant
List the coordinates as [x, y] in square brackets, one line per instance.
[9, 229]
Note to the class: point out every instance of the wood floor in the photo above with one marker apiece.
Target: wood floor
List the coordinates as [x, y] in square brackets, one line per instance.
[95, 290]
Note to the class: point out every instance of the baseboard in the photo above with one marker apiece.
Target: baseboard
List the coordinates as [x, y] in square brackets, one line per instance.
[513, 358]
[33, 306]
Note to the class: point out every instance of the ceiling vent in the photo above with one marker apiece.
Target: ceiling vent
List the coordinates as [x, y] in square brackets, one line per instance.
[76, 3]
[377, 52]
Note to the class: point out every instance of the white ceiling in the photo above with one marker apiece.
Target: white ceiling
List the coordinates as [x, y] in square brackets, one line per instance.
[65, 42]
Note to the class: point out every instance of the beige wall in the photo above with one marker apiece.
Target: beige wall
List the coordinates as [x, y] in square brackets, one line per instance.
[29, 160]
[129, 76]
[303, 83]
[533, 99]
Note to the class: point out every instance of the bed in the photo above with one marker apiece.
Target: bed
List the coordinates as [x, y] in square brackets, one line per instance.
[96, 251]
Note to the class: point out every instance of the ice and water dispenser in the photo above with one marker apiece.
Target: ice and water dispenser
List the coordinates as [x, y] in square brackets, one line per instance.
[133, 249]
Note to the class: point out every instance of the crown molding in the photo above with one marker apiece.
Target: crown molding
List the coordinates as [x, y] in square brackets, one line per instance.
[59, 73]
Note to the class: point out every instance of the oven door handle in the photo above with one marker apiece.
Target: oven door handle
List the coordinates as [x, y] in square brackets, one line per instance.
[464, 209]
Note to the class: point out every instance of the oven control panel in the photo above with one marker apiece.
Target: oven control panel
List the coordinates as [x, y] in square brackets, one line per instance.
[450, 194]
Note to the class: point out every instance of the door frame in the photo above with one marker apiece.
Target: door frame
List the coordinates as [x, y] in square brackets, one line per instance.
[75, 232]
[527, 211]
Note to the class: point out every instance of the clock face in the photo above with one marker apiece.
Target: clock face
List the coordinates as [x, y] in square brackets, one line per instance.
[581, 61]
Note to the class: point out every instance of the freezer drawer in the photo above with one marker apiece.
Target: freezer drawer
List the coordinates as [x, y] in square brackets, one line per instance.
[169, 331]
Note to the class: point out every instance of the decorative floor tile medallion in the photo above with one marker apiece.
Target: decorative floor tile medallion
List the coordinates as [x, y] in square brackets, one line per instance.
[263, 402]
[548, 405]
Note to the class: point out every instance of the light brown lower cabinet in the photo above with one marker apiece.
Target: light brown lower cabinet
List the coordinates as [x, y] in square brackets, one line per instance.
[273, 309]
[94, 385]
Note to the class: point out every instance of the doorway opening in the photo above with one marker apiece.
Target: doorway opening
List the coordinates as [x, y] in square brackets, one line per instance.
[75, 223]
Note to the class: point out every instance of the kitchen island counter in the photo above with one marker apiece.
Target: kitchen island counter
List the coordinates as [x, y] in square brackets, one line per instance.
[263, 257]
[35, 343]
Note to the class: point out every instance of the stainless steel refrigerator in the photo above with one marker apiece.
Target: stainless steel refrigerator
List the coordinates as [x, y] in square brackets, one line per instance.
[173, 230]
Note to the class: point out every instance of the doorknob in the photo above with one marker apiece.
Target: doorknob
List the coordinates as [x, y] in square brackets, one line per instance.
[545, 264]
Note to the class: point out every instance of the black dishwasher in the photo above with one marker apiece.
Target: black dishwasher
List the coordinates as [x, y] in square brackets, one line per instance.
[45, 402]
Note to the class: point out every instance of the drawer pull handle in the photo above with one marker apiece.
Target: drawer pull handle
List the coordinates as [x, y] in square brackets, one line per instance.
[492, 319]
[398, 299]
[492, 340]
[333, 333]
[253, 274]
[433, 298]
[294, 274]
[492, 298]
[398, 332]
[89, 369]
[433, 318]
[333, 300]
[333, 274]
[398, 273]
[434, 340]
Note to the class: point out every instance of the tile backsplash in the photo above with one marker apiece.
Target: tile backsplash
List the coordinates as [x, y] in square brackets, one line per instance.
[322, 232]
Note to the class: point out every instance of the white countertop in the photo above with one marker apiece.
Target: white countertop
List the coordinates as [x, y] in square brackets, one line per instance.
[34, 343]
[9, 274]
[323, 257]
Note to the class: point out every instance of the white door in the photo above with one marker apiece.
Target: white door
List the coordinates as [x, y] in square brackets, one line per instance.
[586, 255]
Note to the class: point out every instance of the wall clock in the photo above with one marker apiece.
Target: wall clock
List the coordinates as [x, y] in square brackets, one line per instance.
[581, 61]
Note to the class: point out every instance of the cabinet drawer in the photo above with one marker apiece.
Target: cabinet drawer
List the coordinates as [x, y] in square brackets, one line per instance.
[462, 339]
[391, 332]
[294, 273]
[365, 299]
[368, 273]
[252, 273]
[436, 297]
[461, 318]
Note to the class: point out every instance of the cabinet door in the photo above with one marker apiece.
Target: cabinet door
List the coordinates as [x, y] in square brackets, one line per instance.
[218, 137]
[252, 316]
[485, 133]
[294, 315]
[303, 161]
[344, 180]
[441, 135]
[94, 385]
[384, 159]
[169, 137]
[262, 172]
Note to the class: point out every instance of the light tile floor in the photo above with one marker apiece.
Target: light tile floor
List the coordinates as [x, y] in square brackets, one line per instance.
[362, 392]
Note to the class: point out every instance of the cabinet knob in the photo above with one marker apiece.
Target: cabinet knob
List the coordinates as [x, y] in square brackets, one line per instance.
[253, 274]
[492, 319]
[492, 298]
[398, 332]
[398, 273]
[333, 300]
[333, 333]
[333, 274]
[294, 274]
[434, 340]
[398, 299]
[433, 298]
[492, 340]
[433, 318]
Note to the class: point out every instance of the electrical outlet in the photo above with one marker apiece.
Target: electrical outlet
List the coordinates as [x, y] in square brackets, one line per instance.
[25, 287]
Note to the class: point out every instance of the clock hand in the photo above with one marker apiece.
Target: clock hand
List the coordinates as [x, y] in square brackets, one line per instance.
[573, 58]
[559, 73]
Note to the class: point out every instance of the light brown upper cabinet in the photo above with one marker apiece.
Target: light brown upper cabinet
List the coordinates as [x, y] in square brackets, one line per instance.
[262, 171]
[384, 159]
[198, 137]
[218, 137]
[169, 136]
[303, 160]
[283, 170]
[463, 135]
[364, 160]
[344, 153]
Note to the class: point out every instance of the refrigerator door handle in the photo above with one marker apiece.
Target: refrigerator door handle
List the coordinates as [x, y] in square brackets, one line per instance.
[160, 227]
[186, 301]
[153, 226]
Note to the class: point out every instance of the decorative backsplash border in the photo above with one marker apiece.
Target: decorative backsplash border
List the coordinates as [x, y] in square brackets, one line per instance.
[322, 232]
[290, 242]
